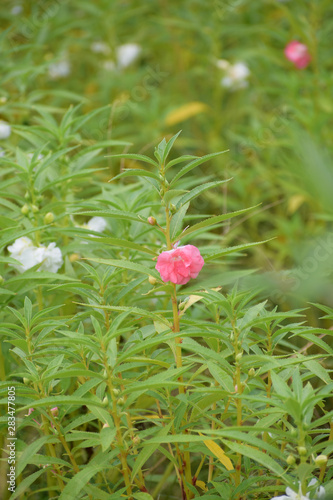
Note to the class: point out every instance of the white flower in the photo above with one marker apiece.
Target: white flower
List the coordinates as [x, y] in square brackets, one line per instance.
[236, 75]
[24, 251]
[293, 495]
[59, 69]
[50, 257]
[109, 65]
[100, 48]
[5, 130]
[97, 224]
[16, 10]
[127, 53]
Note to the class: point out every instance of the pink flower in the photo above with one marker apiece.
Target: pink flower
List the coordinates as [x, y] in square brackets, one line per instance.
[180, 264]
[297, 53]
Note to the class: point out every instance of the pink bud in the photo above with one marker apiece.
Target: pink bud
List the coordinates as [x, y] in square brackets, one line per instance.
[180, 264]
[29, 412]
[152, 221]
[55, 411]
[297, 53]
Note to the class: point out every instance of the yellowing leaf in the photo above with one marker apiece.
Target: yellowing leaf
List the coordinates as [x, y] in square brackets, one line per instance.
[184, 112]
[295, 202]
[219, 453]
[195, 298]
[201, 485]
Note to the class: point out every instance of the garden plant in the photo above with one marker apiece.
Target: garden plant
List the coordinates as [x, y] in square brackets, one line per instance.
[166, 250]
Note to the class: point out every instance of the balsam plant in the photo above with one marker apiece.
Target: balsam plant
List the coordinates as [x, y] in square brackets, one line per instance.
[131, 387]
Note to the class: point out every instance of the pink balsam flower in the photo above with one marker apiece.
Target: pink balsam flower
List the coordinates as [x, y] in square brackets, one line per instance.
[297, 53]
[180, 264]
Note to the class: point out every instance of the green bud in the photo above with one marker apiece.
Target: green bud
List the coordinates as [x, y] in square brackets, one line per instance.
[1, 279]
[27, 195]
[302, 450]
[251, 372]
[173, 208]
[115, 392]
[48, 218]
[239, 356]
[291, 460]
[34, 208]
[40, 198]
[121, 401]
[293, 432]
[105, 401]
[26, 381]
[321, 460]
[105, 426]
[25, 209]
[152, 280]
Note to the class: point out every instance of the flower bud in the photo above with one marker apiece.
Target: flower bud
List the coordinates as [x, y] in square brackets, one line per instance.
[136, 440]
[239, 356]
[105, 401]
[152, 280]
[251, 372]
[173, 208]
[27, 195]
[302, 450]
[74, 257]
[321, 460]
[1, 279]
[105, 426]
[55, 411]
[121, 401]
[115, 392]
[293, 432]
[48, 218]
[34, 208]
[26, 381]
[291, 460]
[152, 221]
[25, 209]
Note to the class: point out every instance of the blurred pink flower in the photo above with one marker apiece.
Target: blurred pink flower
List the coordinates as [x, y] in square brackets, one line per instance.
[180, 264]
[297, 53]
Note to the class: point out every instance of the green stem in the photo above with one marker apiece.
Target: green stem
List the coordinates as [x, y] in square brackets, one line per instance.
[185, 457]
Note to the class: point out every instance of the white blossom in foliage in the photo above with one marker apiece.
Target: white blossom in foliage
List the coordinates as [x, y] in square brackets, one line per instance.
[293, 495]
[127, 53]
[16, 10]
[5, 130]
[97, 224]
[235, 74]
[24, 251]
[60, 69]
[100, 48]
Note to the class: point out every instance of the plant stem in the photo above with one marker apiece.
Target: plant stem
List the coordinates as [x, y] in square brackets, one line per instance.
[114, 412]
[239, 390]
[185, 457]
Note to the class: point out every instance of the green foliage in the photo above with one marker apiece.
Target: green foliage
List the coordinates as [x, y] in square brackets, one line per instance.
[127, 386]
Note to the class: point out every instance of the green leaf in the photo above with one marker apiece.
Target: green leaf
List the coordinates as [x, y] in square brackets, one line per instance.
[107, 436]
[318, 370]
[177, 220]
[127, 264]
[180, 159]
[168, 147]
[256, 455]
[198, 190]
[114, 214]
[135, 172]
[29, 452]
[131, 156]
[24, 485]
[212, 221]
[62, 400]
[117, 242]
[229, 250]
[195, 163]
[148, 451]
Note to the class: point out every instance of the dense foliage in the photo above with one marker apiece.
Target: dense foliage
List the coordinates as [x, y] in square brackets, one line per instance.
[215, 384]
